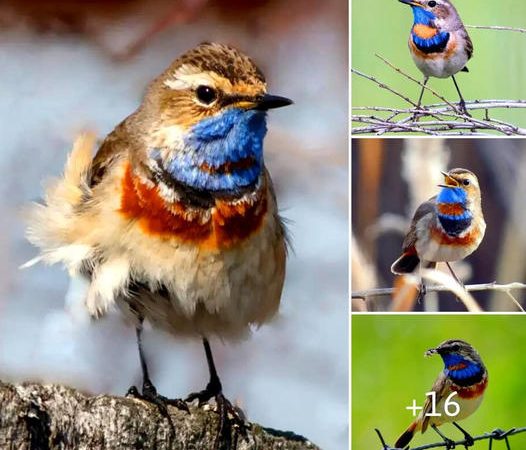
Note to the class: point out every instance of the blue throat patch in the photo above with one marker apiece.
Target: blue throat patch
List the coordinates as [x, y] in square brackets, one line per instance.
[454, 225]
[232, 136]
[471, 371]
[421, 16]
[433, 44]
[452, 195]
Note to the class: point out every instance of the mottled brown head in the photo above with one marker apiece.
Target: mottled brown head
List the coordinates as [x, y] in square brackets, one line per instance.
[456, 347]
[443, 12]
[204, 81]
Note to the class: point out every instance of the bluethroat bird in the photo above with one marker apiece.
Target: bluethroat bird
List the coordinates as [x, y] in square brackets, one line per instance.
[439, 43]
[448, 227]
[464, 374]
[174, 220]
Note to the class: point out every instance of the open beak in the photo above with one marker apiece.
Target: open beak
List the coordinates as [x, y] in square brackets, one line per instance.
[268, 101]
[431, 351]
[411, 2]
[450, 182]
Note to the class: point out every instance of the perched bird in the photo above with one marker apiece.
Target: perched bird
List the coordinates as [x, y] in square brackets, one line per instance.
[439, 43]
[448, 227]
[464, 373]
[175, 219]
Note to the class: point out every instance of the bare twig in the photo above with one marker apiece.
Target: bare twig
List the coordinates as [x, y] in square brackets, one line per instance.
[383, 86]
[505, 288]
[496, 27]
[422, 85]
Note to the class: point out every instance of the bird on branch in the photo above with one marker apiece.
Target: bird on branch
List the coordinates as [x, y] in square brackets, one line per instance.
[448, 227]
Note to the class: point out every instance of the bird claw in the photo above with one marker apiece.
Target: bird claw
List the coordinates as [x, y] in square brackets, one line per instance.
[149, 394]
[422, 290]
[229, 415]
[450, 444]
[462, 109]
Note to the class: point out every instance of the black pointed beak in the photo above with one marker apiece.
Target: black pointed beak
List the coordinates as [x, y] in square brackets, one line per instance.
[268, 101]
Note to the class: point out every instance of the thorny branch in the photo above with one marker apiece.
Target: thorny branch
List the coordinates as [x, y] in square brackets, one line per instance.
[495, 435]
[442, 119]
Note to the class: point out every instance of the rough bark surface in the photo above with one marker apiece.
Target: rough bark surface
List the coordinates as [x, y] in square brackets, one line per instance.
[45, 417]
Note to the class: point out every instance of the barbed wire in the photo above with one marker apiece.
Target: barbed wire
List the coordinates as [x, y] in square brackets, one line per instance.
[495, 435]
[442, 119]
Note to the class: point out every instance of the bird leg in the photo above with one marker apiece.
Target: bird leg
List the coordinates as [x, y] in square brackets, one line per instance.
[462, 103]
[449, 443]
[422, 290]
[415, 115]
[225, 409]
[468, 438]
[457, 279]
[149, 392]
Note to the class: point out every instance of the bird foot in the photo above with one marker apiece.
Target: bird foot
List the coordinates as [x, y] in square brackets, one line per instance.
[149, 394]
[418, 113]
[229, 415]
[422, 290]
[450, 444]
[462, 108]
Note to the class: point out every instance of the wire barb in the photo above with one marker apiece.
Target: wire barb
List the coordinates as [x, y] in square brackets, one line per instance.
[495, 435]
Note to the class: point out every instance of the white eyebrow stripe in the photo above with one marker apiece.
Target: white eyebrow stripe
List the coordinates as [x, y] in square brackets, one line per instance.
[188, 81]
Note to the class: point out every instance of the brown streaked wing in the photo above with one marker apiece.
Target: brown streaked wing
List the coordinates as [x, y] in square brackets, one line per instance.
[441, 387]
[469, 46]
[424, 209]
[109, 151]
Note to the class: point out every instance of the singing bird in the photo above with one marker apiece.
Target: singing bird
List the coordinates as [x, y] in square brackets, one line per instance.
[439, 43]
[465, 375]
[174, 220]
[448, 227]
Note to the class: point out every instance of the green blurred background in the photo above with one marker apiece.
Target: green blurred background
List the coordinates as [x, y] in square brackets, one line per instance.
[496, 71]
[389, 371]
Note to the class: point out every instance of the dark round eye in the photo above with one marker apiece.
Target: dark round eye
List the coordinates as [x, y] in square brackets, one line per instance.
[206, 94]
[466, 182]
[432, 3]
[455, 348]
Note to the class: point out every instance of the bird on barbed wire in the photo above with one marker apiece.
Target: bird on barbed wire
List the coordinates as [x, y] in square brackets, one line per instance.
[448, 227]
[439, 43]
[175, 220]
[458, 390]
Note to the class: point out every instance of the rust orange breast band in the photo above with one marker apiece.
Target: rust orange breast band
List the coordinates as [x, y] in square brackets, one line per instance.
[424, 31]
[227, 224]
[451, 209]
[471, 391]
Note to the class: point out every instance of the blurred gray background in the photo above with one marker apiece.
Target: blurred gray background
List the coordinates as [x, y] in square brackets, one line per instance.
[72, 66]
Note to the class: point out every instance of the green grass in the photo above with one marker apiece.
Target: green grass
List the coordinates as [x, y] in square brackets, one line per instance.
[389, 371]
[497, 69]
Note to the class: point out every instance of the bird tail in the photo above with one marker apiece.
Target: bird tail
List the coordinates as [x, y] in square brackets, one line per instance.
[407, 263]
[52, 224]
[407, 435]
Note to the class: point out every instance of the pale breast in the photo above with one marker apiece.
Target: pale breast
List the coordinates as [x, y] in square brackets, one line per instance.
[213, 283]
[433, 244]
